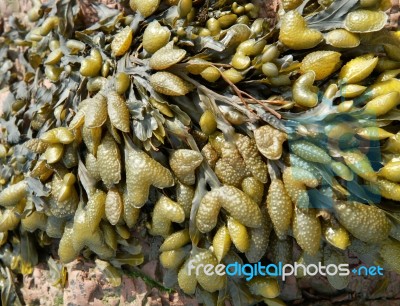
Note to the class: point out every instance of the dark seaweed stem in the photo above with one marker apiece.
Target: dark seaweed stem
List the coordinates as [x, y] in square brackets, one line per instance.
[273, 169]
[234, 101]
[242, 93]
[201, 190]
[205, 177]
[273, 102]
[136, 273]
[223, 124]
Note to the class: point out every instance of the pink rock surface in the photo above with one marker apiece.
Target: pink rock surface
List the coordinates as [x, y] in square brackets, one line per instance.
[87, 285]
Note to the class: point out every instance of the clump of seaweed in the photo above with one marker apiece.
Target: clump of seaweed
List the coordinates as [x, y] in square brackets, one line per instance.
[202, 123]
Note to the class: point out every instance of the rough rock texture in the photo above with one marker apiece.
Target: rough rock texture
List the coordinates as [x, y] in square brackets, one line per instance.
[87, 285]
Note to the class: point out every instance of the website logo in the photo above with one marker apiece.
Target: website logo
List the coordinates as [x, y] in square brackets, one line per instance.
[249, 271]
